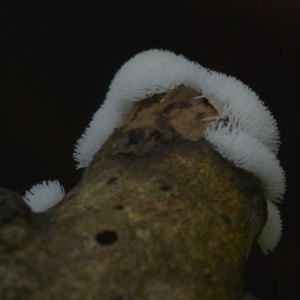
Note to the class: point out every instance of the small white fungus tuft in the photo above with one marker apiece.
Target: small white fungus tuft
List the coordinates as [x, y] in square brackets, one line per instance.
[158, 71]
[272, 231]
[45, 195]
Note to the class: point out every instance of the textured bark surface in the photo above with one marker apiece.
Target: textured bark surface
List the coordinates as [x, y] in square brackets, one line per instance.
[158, 215]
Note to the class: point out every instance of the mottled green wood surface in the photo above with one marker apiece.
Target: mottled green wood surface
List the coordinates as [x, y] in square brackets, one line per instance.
[155, 217]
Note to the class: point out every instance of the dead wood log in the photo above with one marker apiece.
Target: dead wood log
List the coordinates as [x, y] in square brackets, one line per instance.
[158, 215]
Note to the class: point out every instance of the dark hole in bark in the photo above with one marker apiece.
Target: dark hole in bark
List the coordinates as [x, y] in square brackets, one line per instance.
[226, 219]
[208, 278]
[107, 237]
[136, 136]
[205, 102]
[119, 207]
[200, 116]
[112, 180]
[165, 188]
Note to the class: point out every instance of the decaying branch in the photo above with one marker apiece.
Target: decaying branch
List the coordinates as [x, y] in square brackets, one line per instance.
[158, 215]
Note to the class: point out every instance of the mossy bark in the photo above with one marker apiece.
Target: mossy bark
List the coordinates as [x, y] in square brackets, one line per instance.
[158, 215]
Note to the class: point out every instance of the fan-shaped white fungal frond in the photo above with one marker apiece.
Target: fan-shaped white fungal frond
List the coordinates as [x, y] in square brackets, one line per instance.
[43, 196]
[236, 102]
[157, 71]
[272, 231]
[248, 153]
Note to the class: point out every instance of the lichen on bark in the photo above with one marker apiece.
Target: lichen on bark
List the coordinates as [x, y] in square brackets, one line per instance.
[158, 215]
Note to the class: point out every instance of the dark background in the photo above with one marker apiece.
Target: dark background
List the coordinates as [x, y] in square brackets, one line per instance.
[58, 58]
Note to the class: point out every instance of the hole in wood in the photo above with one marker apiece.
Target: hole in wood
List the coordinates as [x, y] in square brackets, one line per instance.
[107, 237]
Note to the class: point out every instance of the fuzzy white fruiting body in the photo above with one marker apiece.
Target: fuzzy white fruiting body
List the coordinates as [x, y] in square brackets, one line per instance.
[157, 71]
[44, 195]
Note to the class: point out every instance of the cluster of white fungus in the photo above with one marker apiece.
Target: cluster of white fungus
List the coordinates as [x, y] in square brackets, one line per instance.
[155, 72]
[249, 138]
